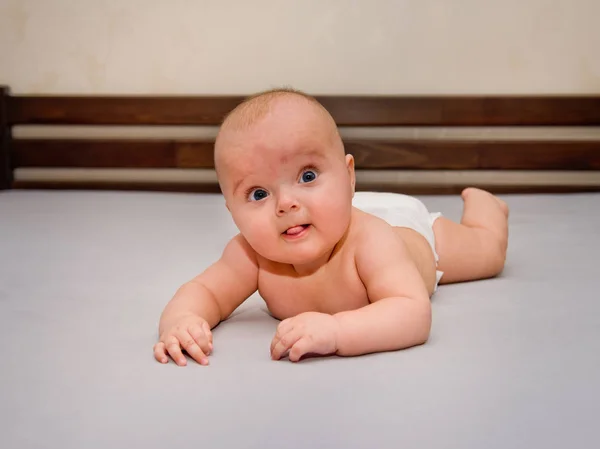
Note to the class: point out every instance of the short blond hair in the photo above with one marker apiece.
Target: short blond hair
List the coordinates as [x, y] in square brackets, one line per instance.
[257, 105]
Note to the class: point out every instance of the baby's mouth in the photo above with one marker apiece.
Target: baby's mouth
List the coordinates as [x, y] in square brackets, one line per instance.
[296, 229]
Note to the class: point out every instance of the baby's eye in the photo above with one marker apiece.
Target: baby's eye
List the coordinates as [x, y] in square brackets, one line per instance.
[257, 194]
[309, 176]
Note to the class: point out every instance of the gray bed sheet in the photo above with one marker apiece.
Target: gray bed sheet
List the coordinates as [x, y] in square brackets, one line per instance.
[512, 362]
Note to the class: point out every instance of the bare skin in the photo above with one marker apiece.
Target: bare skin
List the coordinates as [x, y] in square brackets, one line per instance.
[342, 281]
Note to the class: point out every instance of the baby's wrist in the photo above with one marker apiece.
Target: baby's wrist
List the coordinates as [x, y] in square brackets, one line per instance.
[339, 334]
[169, 321]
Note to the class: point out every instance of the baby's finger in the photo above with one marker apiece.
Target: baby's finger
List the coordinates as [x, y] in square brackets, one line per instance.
[273, 343]
[189, 344]
[175, 351]
[159, 352]
[207, 331]
[301, 347]
[285, 326]
[276, 339]
[285, 343]
[200, 338]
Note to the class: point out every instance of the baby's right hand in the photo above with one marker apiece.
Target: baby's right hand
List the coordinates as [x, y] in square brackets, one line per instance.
[191, 333]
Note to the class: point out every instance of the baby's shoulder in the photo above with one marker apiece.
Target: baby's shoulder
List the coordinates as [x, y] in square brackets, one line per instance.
[368, 228]
[373, 235]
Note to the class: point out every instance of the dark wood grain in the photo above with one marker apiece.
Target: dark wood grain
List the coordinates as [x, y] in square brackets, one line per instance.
[408, 189]
[369, 154]
[6, 171]
[464, 155]
[97, 110]
[464, 110]
[346, 110]
[208, 187]
[113, 153]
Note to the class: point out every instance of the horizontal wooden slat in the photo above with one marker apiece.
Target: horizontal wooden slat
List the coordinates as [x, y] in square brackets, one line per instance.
[112, 153]
[96, 110]
[119, 185]
[463, 155]
[464, 111]
[421, 189]
[347, 110]
[369, 154]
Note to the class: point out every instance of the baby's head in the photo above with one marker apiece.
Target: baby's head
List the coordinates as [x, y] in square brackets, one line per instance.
[286, 180]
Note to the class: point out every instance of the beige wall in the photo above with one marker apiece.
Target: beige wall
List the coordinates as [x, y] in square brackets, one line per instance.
[335, 46]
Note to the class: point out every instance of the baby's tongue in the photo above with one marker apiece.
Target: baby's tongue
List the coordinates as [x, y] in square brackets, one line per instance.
[294, 230]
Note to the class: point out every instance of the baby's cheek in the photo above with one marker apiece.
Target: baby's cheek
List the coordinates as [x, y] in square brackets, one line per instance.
[336, 212]
[263, 242]
[260, 236]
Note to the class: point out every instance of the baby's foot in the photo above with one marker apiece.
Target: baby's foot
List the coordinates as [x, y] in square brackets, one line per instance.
[473, 191]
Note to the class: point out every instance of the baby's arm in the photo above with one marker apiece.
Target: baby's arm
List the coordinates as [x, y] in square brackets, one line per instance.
[399, 315]
[200, 304]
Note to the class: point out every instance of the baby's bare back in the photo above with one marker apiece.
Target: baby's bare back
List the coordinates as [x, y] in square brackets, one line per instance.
[337, 286]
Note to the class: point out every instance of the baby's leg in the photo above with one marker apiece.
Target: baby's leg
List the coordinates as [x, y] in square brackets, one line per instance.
[475, 248]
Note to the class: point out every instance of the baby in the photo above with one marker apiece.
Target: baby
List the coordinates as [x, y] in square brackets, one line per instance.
[347, 273]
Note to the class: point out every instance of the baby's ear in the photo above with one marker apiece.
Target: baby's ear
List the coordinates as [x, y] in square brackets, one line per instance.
[350, 166]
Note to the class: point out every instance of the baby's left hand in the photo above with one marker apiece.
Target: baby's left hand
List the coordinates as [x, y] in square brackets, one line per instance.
[309, 332]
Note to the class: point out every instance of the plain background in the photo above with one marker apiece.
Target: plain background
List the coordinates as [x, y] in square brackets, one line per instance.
[321, 46]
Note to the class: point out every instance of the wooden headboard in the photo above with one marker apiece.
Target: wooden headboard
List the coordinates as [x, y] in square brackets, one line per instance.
[494, 160]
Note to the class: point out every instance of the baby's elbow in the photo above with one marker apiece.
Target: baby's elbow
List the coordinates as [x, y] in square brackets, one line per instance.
[425, 318]
[424, 337]
[419, 327]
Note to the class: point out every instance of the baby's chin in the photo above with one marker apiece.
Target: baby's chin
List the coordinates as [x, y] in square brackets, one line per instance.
[295, 256]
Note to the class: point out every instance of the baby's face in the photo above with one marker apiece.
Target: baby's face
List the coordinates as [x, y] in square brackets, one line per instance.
[287, 183]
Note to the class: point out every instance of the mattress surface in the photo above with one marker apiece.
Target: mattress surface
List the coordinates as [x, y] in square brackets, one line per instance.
[511, 362]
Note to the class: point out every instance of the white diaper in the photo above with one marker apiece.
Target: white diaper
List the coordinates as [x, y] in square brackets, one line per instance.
[401, 210]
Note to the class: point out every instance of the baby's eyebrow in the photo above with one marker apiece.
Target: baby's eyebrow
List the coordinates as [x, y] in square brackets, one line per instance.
[318, 154]
[237, 184]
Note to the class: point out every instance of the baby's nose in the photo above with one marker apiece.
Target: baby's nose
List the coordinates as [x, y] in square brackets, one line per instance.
[287, 203]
